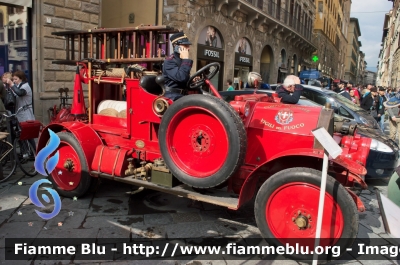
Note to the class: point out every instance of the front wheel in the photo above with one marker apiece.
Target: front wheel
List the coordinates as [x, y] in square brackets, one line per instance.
[7, 160]
[203, 140]
[71, 176]
[286, 210]
[25, 154]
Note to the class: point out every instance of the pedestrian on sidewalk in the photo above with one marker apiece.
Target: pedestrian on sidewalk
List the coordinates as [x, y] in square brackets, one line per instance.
[381, 107]
[354, 98]
[368, 98]
[230, 87]
[392, 107]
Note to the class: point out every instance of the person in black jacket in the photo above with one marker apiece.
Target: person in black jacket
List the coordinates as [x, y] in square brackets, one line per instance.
[368, 98]
[291, 90]
[342, 90]
[176, 68]
[380, 107]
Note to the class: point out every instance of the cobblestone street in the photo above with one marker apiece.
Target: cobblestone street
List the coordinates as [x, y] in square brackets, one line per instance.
[116, 210]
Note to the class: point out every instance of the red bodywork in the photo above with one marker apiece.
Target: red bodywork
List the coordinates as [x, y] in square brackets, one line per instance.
[279, 136]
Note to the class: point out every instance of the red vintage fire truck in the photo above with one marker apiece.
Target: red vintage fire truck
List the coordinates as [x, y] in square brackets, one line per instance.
[199, 146]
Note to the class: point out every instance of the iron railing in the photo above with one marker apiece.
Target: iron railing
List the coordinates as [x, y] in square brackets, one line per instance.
[282, 15]
[20, 43]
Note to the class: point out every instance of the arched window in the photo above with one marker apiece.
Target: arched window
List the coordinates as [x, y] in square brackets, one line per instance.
[11, 31]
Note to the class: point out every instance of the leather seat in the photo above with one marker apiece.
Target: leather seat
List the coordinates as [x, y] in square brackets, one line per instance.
[148, 83]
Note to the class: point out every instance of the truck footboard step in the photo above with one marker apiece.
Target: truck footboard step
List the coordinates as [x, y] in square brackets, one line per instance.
[213, 196]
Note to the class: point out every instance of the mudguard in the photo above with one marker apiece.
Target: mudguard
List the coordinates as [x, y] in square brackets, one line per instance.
[86, 136]
[355, 170]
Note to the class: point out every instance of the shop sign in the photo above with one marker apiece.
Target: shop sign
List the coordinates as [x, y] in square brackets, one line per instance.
[22, 54]
[241, 59]
[209, 53]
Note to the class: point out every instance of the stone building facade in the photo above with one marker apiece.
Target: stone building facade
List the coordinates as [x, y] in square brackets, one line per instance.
[389, 58]
[353, 50]
[330, 36]
[370, 77]
[53, 16]
[278, 34]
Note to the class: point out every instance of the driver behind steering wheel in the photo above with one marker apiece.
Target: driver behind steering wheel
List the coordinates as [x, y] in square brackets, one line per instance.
[176, 69]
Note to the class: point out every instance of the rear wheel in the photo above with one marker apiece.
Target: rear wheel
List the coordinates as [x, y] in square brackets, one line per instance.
[25, 154]
[202, 140]
[70, 177]
[7, 160]
[286, 210]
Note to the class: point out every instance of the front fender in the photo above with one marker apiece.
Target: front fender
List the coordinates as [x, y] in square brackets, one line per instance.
[341, 160]
[86, 136]
[294, 158]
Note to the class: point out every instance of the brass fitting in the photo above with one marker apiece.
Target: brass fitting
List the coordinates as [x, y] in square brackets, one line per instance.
[144, 170]
[131, 168]
[141, 172]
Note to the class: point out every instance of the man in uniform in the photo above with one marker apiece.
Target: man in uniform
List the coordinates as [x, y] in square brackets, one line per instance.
[291, 90]
[342, 90]
[176, 69]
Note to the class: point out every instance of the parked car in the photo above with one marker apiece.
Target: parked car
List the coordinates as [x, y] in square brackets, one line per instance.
[341, 105]
[384, 152]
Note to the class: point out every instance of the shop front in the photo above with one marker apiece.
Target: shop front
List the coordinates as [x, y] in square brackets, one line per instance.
[243, 63]
[210, 49]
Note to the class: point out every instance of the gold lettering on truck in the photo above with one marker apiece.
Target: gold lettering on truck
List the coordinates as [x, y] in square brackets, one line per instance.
[268, 124]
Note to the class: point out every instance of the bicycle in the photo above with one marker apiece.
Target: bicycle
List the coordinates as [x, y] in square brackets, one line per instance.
[8, 164]
[24, 149]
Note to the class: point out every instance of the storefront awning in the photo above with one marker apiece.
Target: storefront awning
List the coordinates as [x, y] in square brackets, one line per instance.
[27, 3]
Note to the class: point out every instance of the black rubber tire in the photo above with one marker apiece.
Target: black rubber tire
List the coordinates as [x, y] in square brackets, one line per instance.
[237, 139]
[311, 176]
[27, 167]
[86, 179]
[8, 163]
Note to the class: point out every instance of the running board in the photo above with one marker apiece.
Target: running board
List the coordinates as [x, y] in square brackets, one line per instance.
[213, 196]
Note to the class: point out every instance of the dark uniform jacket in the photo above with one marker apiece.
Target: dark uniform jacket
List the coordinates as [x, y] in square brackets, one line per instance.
[345, 94]
[367, 101]
[176, 71]
[288, 97]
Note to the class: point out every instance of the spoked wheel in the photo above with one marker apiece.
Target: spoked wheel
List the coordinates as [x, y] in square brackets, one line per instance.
[202, 140]
[25, 154]
[286, 210]
[7, 160]
[70, 177]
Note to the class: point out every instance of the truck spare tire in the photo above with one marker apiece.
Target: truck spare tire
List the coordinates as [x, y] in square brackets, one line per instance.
[202, 140]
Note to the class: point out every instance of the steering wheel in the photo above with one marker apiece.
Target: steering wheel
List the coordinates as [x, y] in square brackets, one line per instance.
[207, 72]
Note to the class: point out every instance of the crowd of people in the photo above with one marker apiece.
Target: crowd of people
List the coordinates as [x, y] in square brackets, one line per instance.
[377, 100]
[369, 97]
[15, 93]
